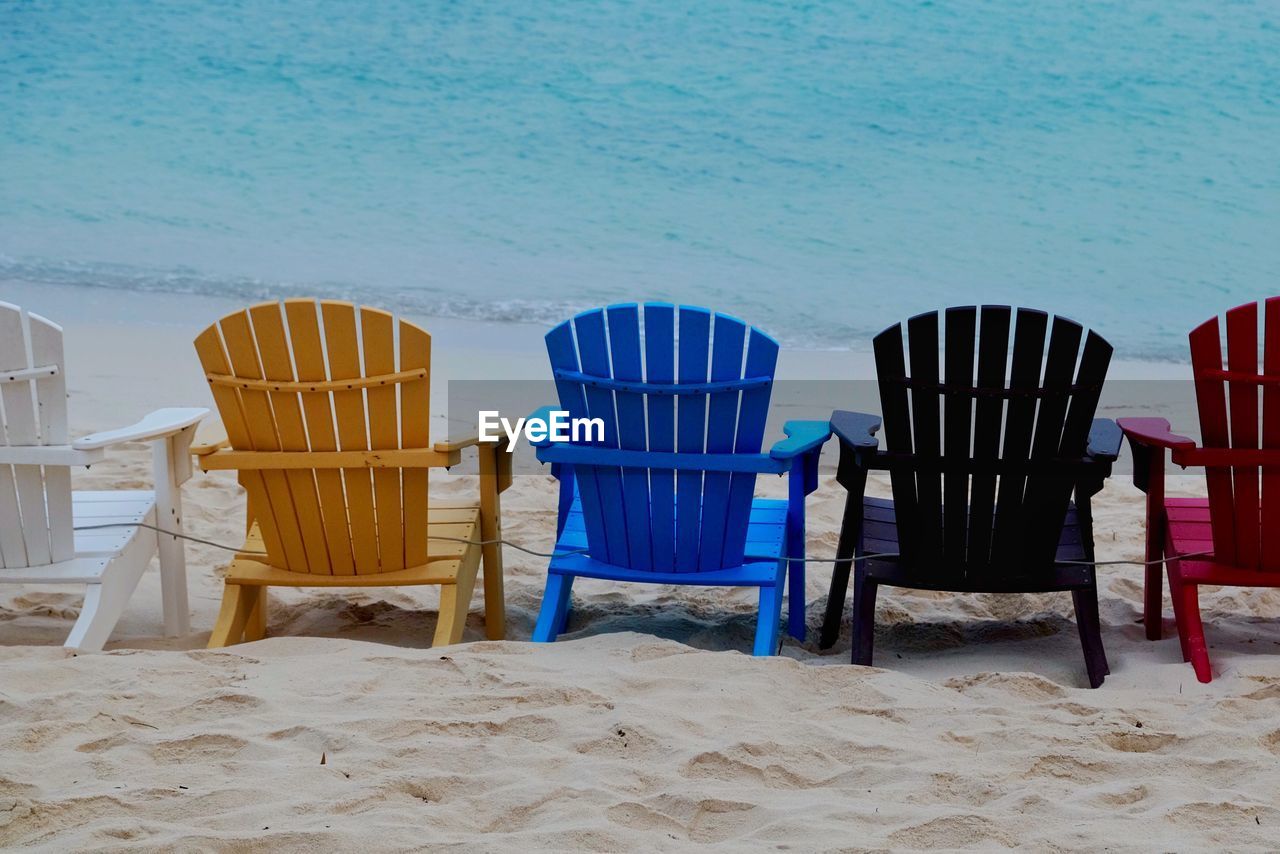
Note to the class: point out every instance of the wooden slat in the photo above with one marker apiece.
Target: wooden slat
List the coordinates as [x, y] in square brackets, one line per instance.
[378, 336]
[1046, 495]
[694, 345]
[922, 338]
[993, 352]
[415, 432]
[13, 356]
[1242, 356]
[317, 409]
[624, 344]
[343, 349]
[593, 351]
[563, 353]
[51, 410]
[260, 422]
[659, 349]
[23, 429]
[213, 359]
[891, 368]
[277, 364]
[961, 324]
[1269, 533]
[1024, 374]
[762, 361]
[722, 422]
[1211, 401]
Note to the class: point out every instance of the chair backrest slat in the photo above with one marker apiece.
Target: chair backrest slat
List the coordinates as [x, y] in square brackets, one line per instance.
[1270, 550]
[327, 521]
[35, 501]
[643, 516]
[965, 505]
[1244, 500]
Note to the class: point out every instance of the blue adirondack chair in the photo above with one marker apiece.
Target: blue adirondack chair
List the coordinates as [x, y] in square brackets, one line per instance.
[667, 497]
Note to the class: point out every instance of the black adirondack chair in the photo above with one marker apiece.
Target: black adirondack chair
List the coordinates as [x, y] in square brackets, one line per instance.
[977, 508]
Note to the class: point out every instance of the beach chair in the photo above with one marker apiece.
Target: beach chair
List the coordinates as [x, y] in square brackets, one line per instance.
[345, 506]
[1232, 537]
[983, 469]
[667, 496]
[50, 534]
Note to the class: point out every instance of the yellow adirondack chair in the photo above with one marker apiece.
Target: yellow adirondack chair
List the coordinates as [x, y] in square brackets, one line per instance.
[344, 508]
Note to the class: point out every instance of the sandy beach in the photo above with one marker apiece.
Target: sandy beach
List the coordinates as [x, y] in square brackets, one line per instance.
[647, 727]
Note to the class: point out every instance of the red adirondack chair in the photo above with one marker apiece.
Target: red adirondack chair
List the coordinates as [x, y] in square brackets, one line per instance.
[1233, 536]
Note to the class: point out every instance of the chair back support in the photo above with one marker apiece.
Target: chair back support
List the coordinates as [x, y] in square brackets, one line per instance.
[626, 365]
[35, 501]
[342, 379]
[1244, 500]
[984, 452]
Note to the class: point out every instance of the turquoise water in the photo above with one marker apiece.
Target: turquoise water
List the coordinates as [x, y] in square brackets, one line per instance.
[821, 168]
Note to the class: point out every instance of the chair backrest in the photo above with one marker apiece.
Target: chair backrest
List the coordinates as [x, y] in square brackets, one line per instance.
[983, 462]
[35, 501]
[626, 365]
[327, 521]
[1244, 501]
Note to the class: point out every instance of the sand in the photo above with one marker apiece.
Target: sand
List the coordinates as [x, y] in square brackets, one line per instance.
[646, 728]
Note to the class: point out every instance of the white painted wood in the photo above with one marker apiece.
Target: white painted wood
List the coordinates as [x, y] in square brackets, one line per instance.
[22, 428]
[173, 561]
[25, 374]
[156, 425]
[40, 514]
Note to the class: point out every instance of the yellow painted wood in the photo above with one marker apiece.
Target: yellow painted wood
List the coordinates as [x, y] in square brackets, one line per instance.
[378, 337]
[211, 436]
[417, 458]
[317, 409]
[389, 378]
[260, 422]
[495, 620]
[415, 432]
[213, 358]
[277, 364]
[344, 507]
[342, 344]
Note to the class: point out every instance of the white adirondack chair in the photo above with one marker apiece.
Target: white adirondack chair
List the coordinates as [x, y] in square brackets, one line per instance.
[52, 535]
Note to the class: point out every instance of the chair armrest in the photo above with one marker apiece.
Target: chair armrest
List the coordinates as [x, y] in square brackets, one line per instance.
[856, 428]
[1105, 437]
[158, 425]
[458, 444]
[1154, 433]
[211, 436]
[802, 437]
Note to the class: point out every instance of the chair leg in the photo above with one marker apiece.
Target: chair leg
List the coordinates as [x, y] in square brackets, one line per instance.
[104, 604]
[255, 628]
[1153, 599]
[1176, 594]
[495, 614]
[769, 621]
[455, 602]
[849, 532]
[555, 605]
[238, 601]
[864, 617]
[1193, 630]
[1089, 624]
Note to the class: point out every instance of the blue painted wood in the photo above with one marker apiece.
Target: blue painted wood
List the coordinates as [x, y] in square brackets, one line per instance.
[624, 344]
[563, 352]
[660, 361]
[762, 358]
[667, 496]
[722, 423]
[593, 351]
[691, 415]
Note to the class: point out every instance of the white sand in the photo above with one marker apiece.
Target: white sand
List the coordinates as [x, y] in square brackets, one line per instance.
[980, 732]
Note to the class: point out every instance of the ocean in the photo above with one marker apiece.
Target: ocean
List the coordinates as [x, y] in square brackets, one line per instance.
[820, 168]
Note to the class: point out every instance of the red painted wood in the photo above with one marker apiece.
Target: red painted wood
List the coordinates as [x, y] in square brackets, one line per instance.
[1206, 355]
[1270, 557]
[1242, 356]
